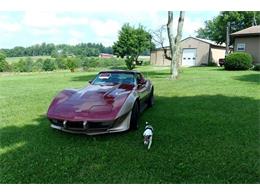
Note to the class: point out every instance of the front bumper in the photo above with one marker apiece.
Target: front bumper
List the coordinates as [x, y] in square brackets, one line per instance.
[92, 127]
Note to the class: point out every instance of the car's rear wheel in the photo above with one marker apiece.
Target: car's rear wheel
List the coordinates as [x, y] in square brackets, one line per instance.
[134, 117]
[150, 102]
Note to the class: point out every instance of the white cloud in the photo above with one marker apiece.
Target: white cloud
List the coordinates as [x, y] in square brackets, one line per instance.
[191, 25]
[105, 28]
[50, 31]
[75, 37]
[6, 25]
[76, 33]
[51, 19]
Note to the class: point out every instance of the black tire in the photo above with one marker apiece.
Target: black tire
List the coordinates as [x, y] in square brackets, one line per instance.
[150, 101]
[134, 117]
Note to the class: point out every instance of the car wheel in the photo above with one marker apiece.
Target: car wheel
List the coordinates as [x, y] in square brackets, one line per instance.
[150, 102]
[134, 117]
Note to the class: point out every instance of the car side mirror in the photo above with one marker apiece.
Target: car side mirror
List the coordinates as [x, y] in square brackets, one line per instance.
[141, 82]
[90, 81]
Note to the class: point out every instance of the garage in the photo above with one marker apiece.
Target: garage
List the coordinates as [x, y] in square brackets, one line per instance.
[188, 57]
[195, 52]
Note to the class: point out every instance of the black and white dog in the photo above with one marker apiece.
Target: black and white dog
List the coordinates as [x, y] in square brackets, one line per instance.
[148, 135]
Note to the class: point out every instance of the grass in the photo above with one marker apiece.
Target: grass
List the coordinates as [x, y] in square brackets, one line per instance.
[16, 59]
[206, 131]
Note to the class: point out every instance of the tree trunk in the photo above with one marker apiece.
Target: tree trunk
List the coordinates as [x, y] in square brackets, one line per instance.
[171, 38]
[227, 39]
[175, 43]
[178, 39]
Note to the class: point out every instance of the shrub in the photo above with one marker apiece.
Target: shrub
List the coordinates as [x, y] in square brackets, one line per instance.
[4, 66]
[93, 62]
[28, 66]
[60, 62]
[24, 65]
[48, 65]
[38, 65]
[19, 66]
[238, 61]
[72, 63]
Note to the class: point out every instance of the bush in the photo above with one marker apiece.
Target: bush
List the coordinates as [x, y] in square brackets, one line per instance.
[60, 62]
[72, 63]
[19, 66]
[48, 65]
[4, 66]
[238, 61]
[256, 67]
[24, 65]
[92, 62]
[37, 65]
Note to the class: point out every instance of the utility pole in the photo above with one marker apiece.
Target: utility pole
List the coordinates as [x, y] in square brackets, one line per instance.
[227, 38]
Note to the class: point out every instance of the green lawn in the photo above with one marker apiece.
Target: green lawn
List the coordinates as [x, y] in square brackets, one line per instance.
[206, 131]
[16, 59]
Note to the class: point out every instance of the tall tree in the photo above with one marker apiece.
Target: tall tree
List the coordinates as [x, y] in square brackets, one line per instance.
[132, 42]
[215, 29]
[3, 62]
[175, 42]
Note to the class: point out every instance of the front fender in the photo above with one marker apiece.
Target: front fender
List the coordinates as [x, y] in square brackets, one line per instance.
[128, 104]
[61, 97]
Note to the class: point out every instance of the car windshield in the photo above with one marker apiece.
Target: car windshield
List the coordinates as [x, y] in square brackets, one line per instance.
[112, 78]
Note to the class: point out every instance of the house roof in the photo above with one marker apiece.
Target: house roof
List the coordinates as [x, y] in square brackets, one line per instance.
[253, 30]
[208, 41]
[203, 40]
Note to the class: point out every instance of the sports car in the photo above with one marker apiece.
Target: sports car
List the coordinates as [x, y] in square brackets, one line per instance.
[112, 102]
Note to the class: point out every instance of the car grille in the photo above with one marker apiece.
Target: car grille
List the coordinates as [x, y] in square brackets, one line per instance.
[79, 125]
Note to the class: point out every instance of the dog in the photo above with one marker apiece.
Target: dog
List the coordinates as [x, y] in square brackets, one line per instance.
[148, 135]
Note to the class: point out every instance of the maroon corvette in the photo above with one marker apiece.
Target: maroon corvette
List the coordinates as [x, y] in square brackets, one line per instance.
[111, 103]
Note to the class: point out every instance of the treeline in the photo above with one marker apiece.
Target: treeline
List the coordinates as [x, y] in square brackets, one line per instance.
[50, 49]
[60, 63]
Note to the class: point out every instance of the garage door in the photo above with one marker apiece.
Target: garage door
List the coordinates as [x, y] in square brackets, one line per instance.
[189, 57]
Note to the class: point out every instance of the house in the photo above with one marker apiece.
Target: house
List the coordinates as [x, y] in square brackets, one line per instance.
[194, 52]
[105, 55]
[248, 40]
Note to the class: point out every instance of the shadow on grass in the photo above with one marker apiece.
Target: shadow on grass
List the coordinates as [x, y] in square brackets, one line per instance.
[198, 139]
[252, 78]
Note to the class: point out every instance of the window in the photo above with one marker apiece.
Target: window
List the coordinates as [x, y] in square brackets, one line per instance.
[241, 47]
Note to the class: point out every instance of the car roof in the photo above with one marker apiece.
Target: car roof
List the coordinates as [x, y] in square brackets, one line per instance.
[120, 71]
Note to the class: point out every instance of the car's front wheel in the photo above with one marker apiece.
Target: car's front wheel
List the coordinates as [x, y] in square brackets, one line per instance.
[134, 117]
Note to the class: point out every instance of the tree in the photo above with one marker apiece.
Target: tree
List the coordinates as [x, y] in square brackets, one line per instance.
[215, 29]
[48, 65]
[132, 42]
[72, 63]
[175, 42]
[3, 63]
[82, 49]
[159, 39]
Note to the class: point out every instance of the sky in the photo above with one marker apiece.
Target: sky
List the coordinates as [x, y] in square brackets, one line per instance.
[28, 27]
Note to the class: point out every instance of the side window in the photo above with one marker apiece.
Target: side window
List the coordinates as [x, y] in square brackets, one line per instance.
[138, 78]
[241, 47]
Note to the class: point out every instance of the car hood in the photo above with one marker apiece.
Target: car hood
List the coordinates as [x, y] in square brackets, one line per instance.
[94, 102]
